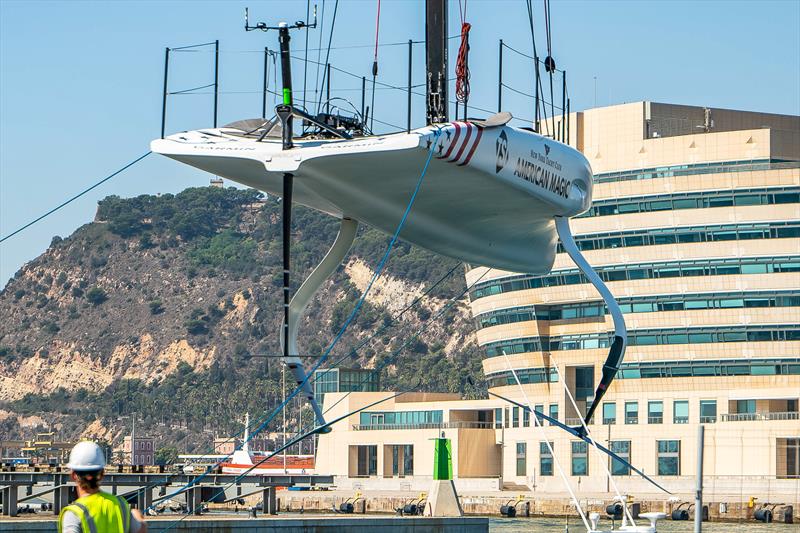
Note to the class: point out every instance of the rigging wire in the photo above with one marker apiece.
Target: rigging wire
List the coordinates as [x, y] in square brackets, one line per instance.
[34, 221]
[537, 81]
[589, 436]
[328, 53]
[375, 65]
[413, 337]
[348, 321]
[317, 95]
[305, 61]
[538, 424]
[549, 62]
[350, 353]
[302, 435]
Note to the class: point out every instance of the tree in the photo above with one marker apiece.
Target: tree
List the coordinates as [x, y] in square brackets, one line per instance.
[96, 296]
[166, 455]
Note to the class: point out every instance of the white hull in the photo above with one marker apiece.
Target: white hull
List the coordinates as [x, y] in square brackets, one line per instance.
[488, 198]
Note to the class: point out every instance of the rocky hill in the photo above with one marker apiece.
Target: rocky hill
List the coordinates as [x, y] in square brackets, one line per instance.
[169, 307]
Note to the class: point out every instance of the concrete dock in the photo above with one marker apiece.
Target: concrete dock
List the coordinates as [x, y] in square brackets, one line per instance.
[216, 524]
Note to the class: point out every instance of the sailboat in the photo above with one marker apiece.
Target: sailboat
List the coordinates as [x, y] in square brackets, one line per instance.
[493, 195]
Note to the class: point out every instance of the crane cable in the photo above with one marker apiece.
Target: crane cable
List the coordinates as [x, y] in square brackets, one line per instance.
[375, 65]
[549, 62]
[34, 221]
[462, 65]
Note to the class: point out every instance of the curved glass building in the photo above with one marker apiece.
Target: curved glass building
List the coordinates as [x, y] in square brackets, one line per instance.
[695, 227]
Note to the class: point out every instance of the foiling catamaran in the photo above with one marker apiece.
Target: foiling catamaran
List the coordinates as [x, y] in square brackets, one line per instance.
[494, 195]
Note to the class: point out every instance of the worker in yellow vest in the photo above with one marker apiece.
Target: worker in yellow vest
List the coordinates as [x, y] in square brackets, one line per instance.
[96, 511]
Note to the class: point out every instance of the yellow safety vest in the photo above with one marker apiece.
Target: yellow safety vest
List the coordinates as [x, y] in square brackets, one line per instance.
[100, 513]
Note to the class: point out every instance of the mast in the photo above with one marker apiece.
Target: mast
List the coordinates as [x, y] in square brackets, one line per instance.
[436, 61]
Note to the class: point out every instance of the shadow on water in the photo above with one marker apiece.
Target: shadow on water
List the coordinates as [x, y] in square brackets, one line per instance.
[553, 525]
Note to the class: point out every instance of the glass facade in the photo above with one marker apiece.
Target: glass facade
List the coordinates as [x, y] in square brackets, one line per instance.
[694, 200]
[522, 459]
[344, 380]
[655, 412]
[644, 304]
[695, 169]
[708, 411]
[631, 412]
[680, 412]
[682, 235]
[669, 457]
[653, 270]
[545, 459]
[580, 458]
[609, 413]
[623, 449]
[399, 419]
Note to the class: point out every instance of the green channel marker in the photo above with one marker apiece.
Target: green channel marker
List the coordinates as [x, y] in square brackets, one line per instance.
[287, 97]
[442, 460]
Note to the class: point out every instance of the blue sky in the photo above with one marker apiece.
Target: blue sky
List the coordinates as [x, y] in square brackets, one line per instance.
[80, 82]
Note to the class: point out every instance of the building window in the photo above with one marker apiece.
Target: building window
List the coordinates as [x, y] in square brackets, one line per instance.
[580, 458]
[680, 414]
[545, 460]
[402, 460]
[788, 458]
[506, 418]
[526, 418]
[746, 407]
[623, 449]
[539, 408]
[498, 417]
[669, 457]
[631, 412]
[708, 411]
[522, 460]
[400, 419]
[584, 382]
[367, 461]
[515, 416]
[609, 413]
[655, 412]
[554, 411]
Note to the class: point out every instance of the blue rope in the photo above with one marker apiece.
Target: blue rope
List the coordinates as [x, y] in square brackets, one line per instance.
[339, 335]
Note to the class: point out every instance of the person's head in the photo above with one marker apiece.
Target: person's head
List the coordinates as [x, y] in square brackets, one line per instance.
[87, 462]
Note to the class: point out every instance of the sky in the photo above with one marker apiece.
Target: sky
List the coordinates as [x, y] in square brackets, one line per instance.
[81, 82]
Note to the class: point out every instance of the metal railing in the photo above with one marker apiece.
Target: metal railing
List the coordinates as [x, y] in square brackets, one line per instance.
[680, 420]
[632, 420]
[750, 417]
[440, 425]
[655, 419]
[708, 419]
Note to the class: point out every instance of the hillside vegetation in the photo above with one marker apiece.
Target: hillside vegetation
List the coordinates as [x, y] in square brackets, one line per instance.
[169, 307]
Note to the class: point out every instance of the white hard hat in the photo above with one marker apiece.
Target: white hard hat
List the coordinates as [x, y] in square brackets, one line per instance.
[86, 456]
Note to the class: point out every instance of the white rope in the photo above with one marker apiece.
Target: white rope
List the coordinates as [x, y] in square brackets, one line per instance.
[600, 454]
[538, 423]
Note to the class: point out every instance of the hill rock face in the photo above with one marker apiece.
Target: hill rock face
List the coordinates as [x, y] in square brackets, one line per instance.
[169, 307]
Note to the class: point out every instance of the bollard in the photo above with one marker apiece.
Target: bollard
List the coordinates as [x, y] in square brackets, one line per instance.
[508, 510]
[680, 514]
[614, 510]
[763, 515]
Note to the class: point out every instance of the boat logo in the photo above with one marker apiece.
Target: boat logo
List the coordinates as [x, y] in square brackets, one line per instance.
[546, 150]
[501, 149]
